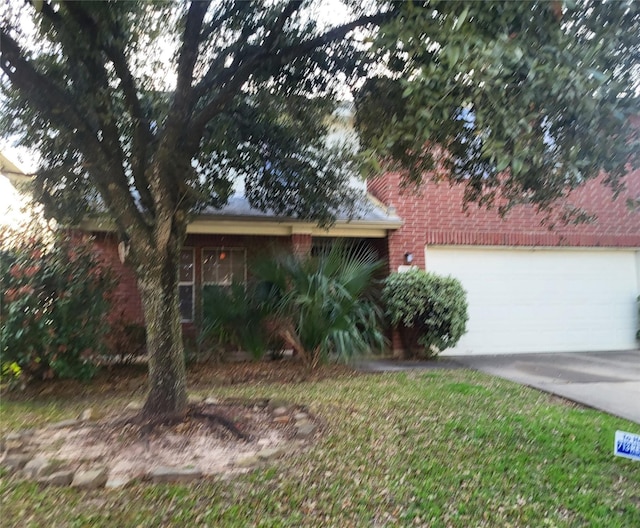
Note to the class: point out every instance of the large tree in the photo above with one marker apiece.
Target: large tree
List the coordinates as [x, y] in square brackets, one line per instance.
[149, 112]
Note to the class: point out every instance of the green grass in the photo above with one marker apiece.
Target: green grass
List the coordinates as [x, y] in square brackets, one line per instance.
[446, 448]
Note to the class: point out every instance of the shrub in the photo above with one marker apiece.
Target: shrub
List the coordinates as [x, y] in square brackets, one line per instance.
[429, 311]
[234, 317]
[54, 306]
[320, 306]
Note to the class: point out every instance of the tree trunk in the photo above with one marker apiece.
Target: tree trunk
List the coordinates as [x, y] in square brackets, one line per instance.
[158, 283]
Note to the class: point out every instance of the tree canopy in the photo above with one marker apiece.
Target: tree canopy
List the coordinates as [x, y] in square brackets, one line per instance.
[527, 99]
[151, 111]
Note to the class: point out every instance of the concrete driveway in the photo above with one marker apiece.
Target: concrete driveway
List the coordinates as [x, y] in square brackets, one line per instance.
[608, 381]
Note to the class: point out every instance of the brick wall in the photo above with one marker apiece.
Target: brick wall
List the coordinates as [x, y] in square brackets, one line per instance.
[434, 216]
[127, 304]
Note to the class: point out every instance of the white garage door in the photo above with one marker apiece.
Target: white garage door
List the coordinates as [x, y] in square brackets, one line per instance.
[544, 300]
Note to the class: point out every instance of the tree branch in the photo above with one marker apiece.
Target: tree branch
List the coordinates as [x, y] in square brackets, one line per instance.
[210, 77]
[166, 185]
[277, 59]
[141, 133]
[59, 107]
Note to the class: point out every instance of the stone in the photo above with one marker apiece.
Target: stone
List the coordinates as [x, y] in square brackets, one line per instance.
[38, 467]
[247, 461]
[269, 453]
[305, 429]
[86, 415]
[118, 481]
[12, 443]
[16, 461]
[301, 416]
[91, 479]
[193, 399]
[275, 404]
[64, 423]
[59, 478]
[133, 406]
[280, 411]
[91, 453]
[174, 474]
[211, 401]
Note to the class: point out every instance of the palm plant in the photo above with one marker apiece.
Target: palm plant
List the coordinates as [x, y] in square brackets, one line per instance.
[320, 306]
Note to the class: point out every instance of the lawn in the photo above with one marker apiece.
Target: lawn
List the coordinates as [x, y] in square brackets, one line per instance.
[423, 448]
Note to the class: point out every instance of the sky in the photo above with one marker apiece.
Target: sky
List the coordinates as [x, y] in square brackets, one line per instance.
[10, 200]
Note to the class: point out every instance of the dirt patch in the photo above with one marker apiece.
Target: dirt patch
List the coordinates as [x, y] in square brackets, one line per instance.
[214, 438]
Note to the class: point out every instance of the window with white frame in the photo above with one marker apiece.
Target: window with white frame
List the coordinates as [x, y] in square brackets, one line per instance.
[223, 266]
[186, 285]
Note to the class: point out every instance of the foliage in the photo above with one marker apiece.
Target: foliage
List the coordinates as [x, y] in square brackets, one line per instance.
[528, 99]
[54, 307]
[429, 310]
[235, 316]
[321, 306]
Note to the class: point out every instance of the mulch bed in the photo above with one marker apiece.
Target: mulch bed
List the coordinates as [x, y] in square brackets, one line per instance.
[132, 379]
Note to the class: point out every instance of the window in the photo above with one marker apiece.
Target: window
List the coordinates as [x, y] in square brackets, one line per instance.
[223, 266]
[186, 285]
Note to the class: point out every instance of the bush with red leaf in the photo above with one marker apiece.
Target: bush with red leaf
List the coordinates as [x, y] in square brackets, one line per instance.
[54, 304]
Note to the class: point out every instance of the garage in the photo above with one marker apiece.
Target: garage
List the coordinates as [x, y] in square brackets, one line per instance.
[543, 300]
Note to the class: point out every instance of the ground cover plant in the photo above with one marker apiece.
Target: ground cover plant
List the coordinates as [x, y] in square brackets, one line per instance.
[421, 448]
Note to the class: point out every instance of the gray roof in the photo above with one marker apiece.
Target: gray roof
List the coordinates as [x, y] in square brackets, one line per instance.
[238, 207]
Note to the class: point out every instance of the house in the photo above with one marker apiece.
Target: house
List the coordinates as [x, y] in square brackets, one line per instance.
[221, 244]
[530, 287]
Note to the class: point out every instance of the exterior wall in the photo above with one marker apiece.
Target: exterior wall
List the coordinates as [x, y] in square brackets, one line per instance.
[127, 304]
[434, 216]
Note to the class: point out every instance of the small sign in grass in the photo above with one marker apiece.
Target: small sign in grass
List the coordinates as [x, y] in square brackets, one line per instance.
[627, 445]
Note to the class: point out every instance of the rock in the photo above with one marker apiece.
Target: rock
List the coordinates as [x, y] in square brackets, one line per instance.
[16, 461]
[247, 461]
[92, 479]
[301, 416]
[133, 406]
[63, 424]
[12, 443]
[91, 453]
[38, 467]
[193, 399]
[276, 404]
[281, 419]
[86, 415]
[280, 411]
[269, 453]
[118, 481]
[174, 474]
[59, 478]
[305, 429]
[211, 401]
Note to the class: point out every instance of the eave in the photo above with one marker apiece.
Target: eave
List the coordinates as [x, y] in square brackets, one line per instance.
[207, 225]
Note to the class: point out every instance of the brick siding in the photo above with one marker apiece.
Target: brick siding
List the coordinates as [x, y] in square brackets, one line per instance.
[434, 215]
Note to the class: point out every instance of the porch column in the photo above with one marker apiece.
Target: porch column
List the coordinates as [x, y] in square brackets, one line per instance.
[301, 244]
